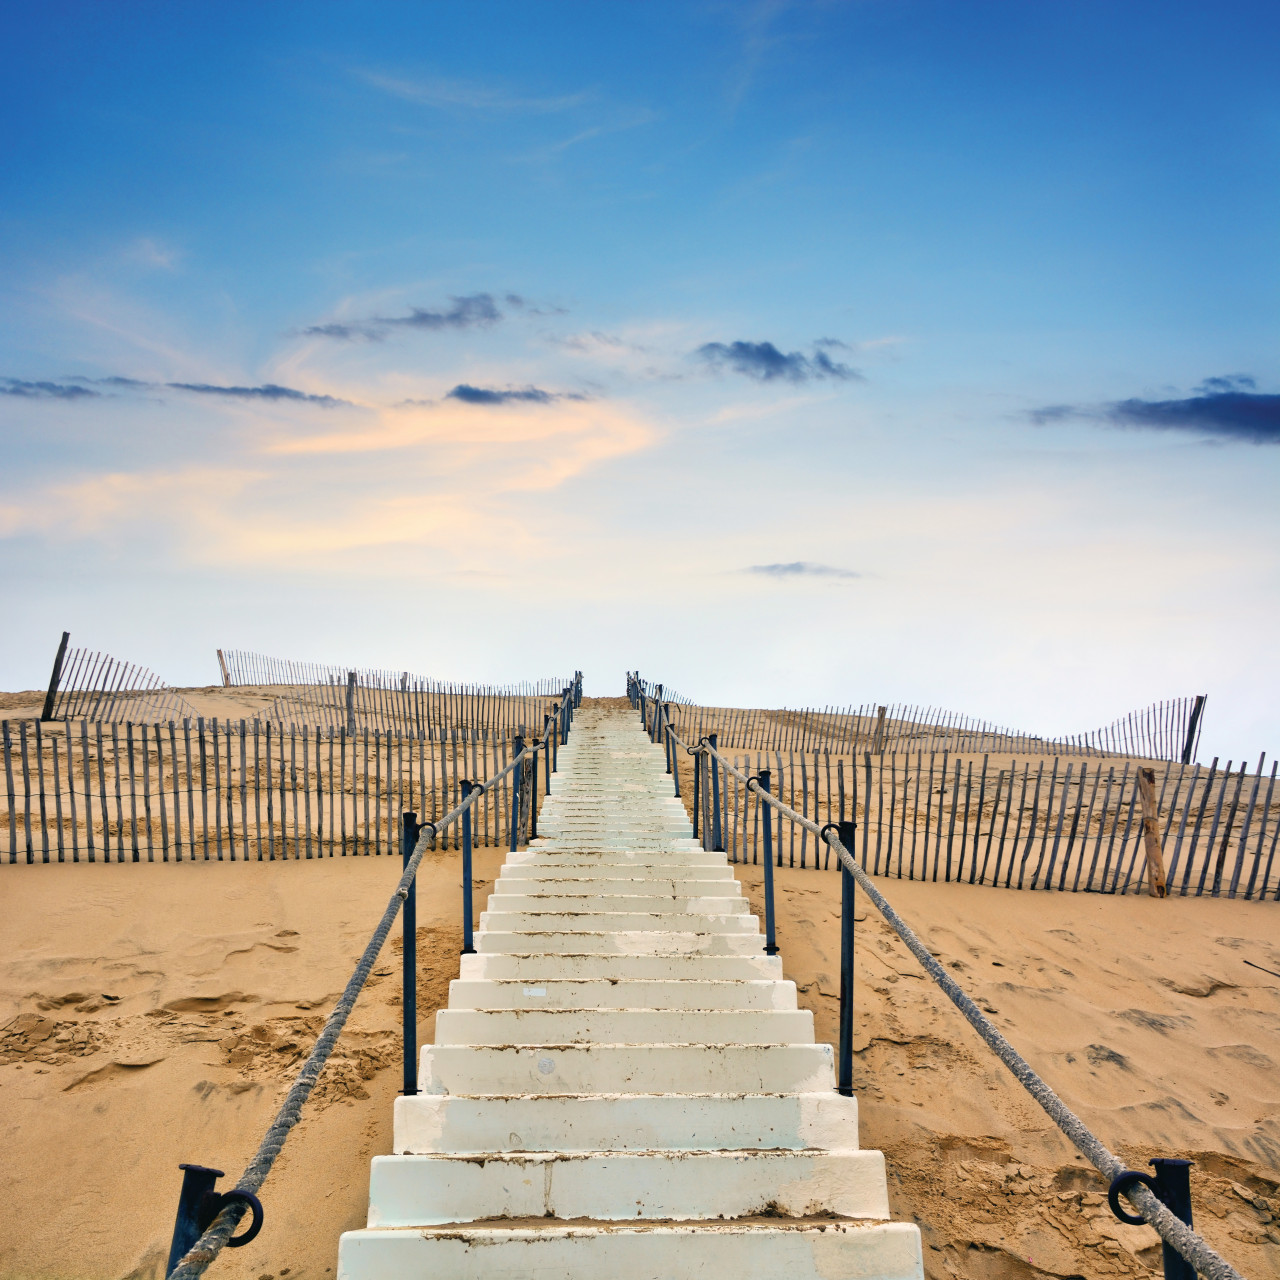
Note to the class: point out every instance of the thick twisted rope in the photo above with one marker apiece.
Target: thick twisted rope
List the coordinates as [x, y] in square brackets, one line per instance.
[196, 1260]
[1171, 1229]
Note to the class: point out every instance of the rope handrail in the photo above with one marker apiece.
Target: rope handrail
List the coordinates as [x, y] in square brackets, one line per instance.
[197, 1259]
[1171, 1229]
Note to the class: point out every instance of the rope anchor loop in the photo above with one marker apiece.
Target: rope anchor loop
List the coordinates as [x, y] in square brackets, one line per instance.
[1121, 1184]
[214, 1203]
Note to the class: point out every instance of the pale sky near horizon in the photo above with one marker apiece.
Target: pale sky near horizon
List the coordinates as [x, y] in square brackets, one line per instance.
[792, 353]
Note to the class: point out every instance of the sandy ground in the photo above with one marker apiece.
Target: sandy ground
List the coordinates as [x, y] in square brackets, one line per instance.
[154, 1014]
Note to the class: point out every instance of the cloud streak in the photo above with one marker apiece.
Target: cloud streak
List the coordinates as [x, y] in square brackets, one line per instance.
[766, 363]
[468, 95]
[469, 311]
[268, 391]
[468, 394]
[23, 389]
[1226, 407]
[801, 569]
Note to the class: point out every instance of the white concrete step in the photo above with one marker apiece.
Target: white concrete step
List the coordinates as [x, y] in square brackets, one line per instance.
[623, 1026]
[428, 1191]
[433, 1123]
[626, 1068]
[604, 871]
[645, 904]
[638, 942]
[615, 993]
[624, 886]
[762, 1250]
[580, 966]
[615, 922]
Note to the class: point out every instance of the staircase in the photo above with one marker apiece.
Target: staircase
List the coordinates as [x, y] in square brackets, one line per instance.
[622, 1084]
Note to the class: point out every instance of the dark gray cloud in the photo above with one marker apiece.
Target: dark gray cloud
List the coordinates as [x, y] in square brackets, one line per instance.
[268, 391]
[468, 394]
[44, 390]
[1225, 406]
[764, 362]
[470, 311]
[801, 569]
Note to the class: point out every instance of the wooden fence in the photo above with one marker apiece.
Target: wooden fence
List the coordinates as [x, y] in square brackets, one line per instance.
[1015, 823]
[227, 790]
[95, 686]
[1163, 731]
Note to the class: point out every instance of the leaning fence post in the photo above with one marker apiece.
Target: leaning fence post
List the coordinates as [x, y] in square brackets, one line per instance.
[464, 790]
[409, 956]
[351, 702]
[717, 841]
[517, 748]
[56, 678]
[847, 832]
[770, 942]
[1151, 833]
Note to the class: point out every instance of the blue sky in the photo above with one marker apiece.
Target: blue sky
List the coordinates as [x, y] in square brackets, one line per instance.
[491, 339]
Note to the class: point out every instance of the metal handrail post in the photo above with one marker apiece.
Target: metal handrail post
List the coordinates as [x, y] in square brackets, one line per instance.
[409, 956]
[546, 755]
[697, 789]
[515, 794]
[533, 794]
[844, 1075]
[770, 939]
[717, 836]
[465, 788]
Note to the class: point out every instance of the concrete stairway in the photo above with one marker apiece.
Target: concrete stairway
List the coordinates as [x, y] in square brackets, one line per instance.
[622, 1084]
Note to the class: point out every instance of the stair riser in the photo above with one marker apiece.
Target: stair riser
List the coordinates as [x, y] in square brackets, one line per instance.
[611, 903]
[615, 922]
[429, 1191]
[608, 1068]
[577, 967]
[611, 872]
[622, 995]
[431, 1123]
[644, 887]
[622, 1026]
[638, 942]
[829, 1251]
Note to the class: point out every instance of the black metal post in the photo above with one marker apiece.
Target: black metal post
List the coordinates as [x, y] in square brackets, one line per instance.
[675, 760]
[197, 1182]
[657, 707]
[465, 788]
[1173, 1186]
[844, 1077]
[546, 755]
[515, 794]
[666, 744]
[770, 940]
[533, 795]
[409, 957]
[717, 840]
[54, 680]
[697, 790]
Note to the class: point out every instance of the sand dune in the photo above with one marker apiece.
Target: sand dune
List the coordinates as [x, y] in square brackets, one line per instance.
[153, 1014]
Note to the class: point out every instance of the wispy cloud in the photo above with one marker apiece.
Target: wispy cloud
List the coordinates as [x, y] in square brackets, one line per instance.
[1225, 406]
[470, 95]
[45, 390]
[268, 391]
[468, 394]
[469, 311]
[801, 569]
[764, 362]
[75, 389]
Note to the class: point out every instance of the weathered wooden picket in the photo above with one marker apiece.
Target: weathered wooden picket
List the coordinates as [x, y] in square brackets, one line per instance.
[236, 790]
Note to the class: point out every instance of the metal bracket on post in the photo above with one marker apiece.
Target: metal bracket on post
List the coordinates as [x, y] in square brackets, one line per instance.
[1172, 1187]
[199, 1204]
[770, 939]
[409, 830]
[465, 788]
[518, 744]
[717, 834]
[847, 832]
